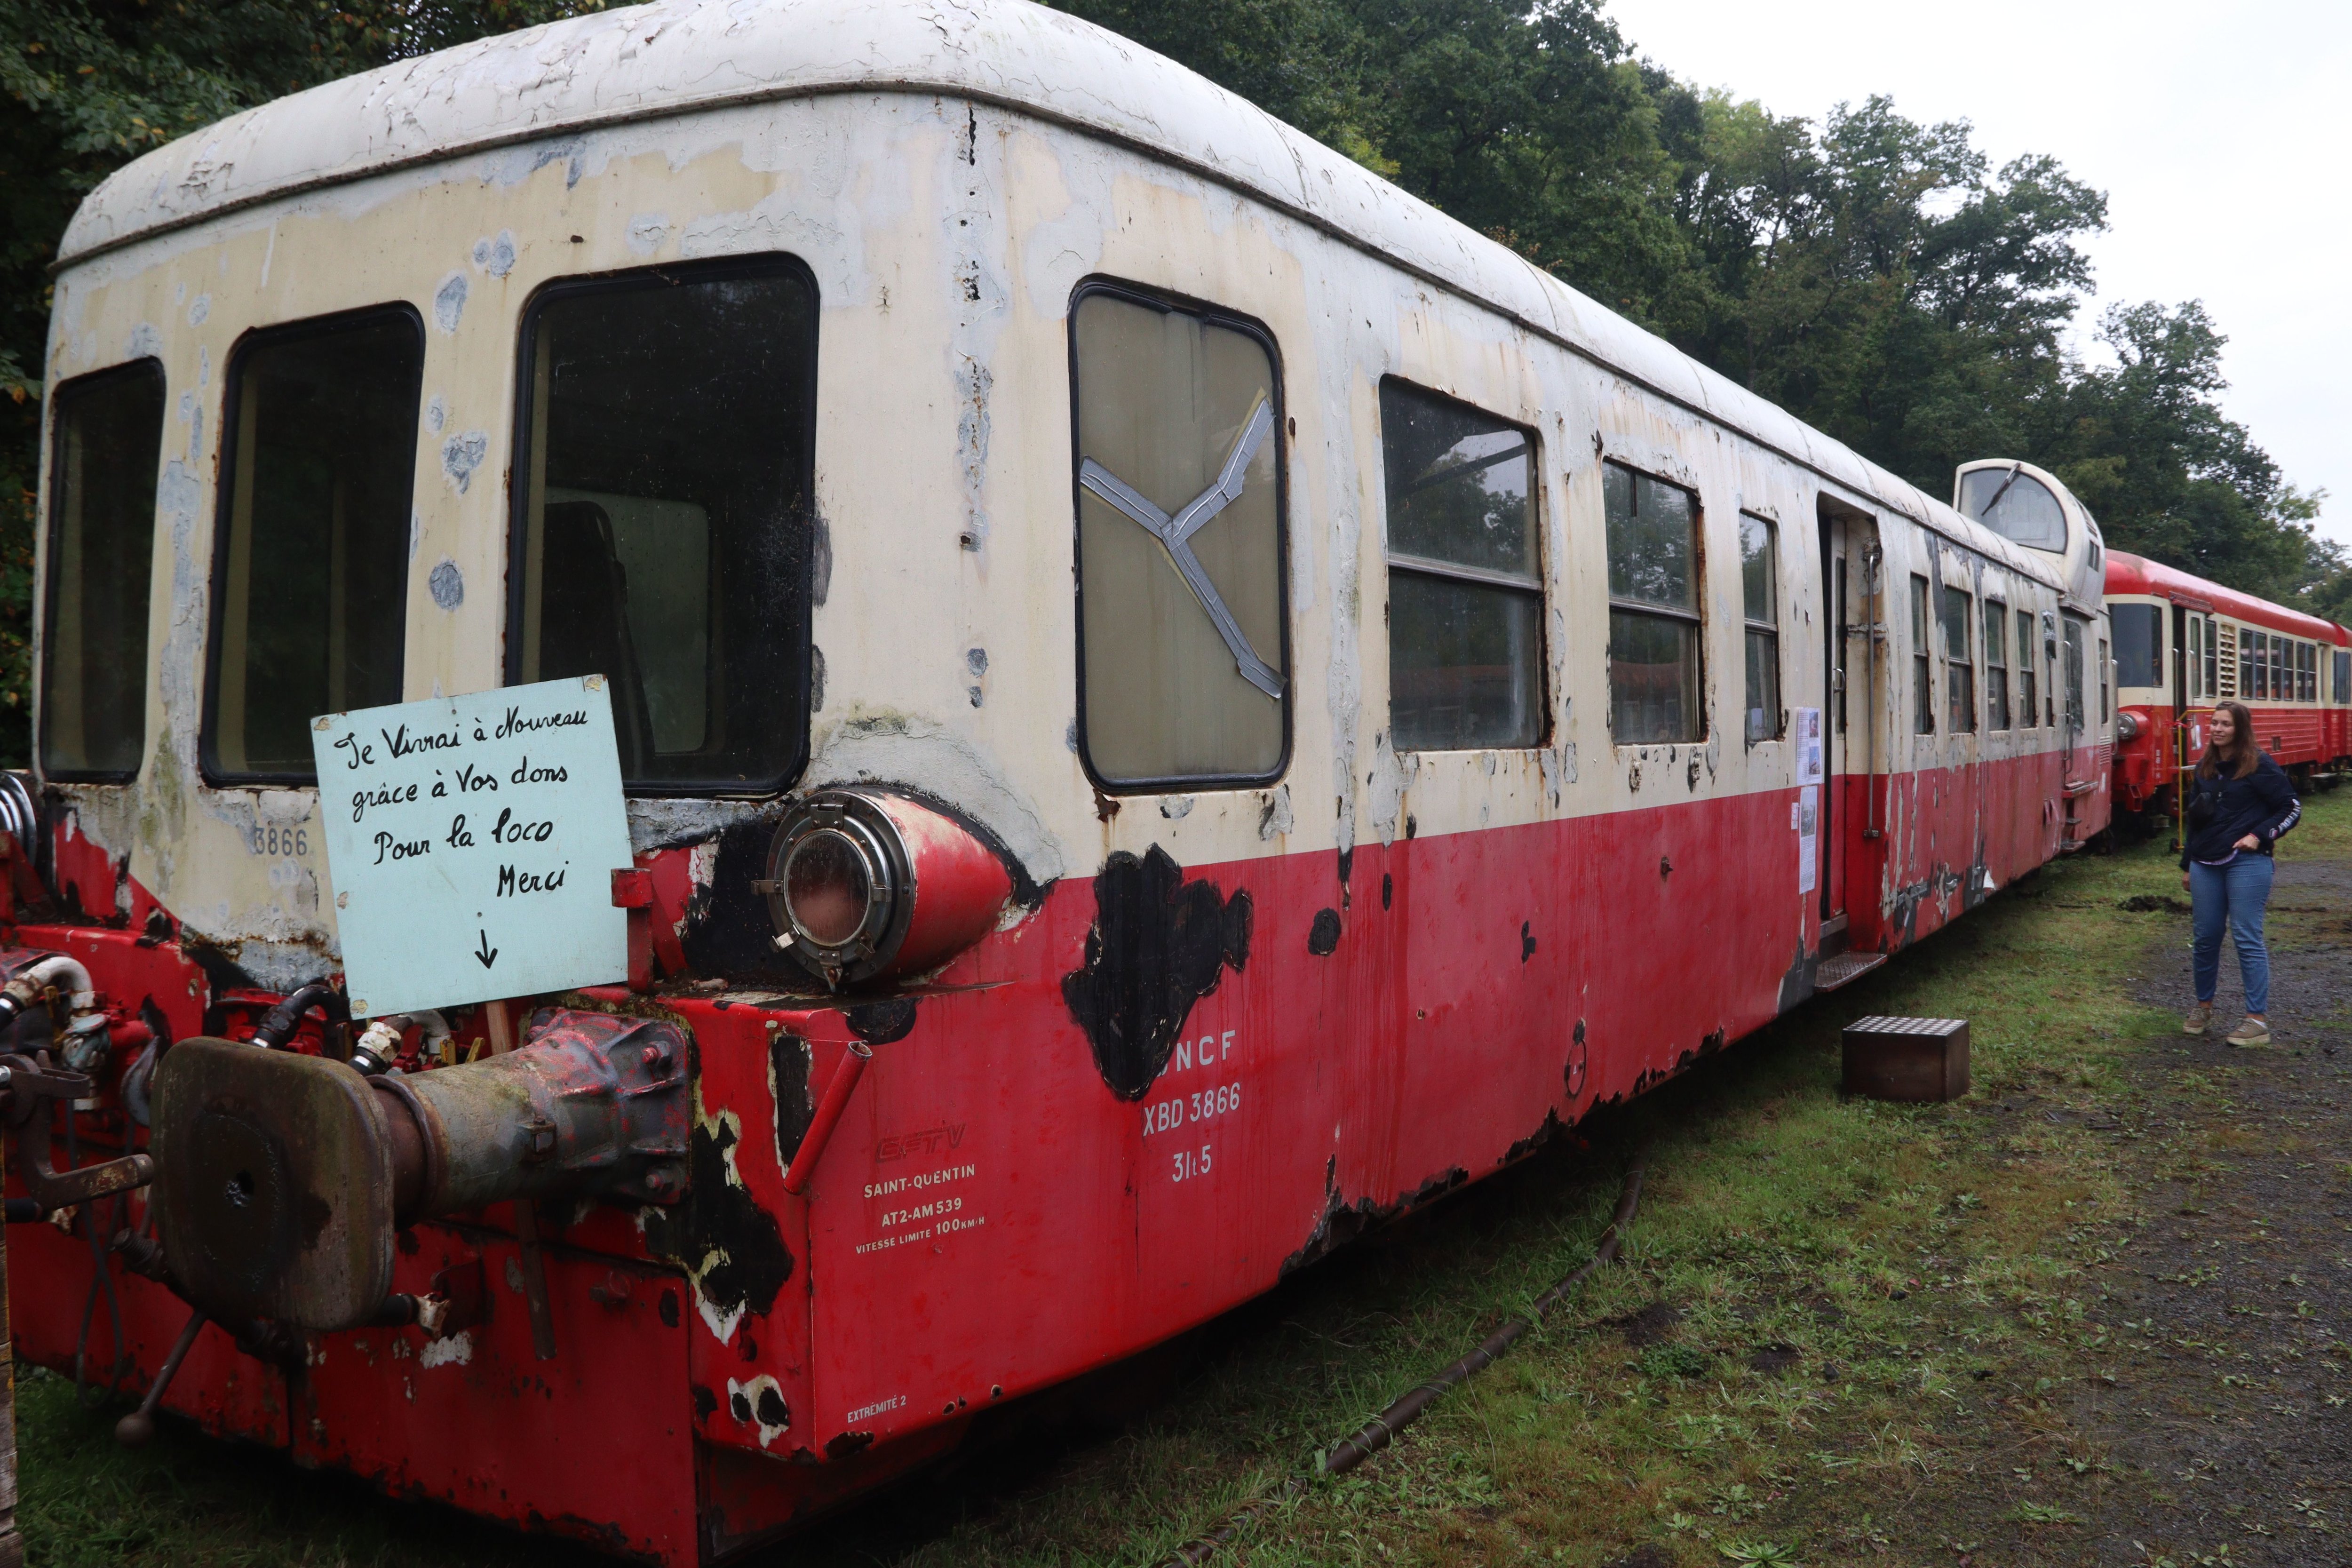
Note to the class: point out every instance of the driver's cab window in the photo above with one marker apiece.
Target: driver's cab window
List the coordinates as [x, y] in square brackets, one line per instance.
[665, 531]
[2015, 505]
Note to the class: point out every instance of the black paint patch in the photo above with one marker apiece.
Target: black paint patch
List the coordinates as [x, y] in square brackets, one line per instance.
[1411, 826]
[706, 1404]
[1572, 1074]
[772, 1410]
[1346, 868]
[1159, 944]
[788, 1071]
[668, 1308]
[740, 1406]
[1342, 1222]
[1388, 889]
[720, 1223]
[881, 1023]
[1527, 941]
[1534, 1140]
[1666, 868]
[1323, 937]
[728, 930]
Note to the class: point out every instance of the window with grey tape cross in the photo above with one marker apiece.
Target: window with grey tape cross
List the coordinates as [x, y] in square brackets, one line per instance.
[1175, 535]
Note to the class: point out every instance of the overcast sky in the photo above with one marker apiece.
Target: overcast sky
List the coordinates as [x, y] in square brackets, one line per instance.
[2220, 132]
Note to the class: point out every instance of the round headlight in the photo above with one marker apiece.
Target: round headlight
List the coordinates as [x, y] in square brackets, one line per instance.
[837, 872]
[828, 888]
[866, 884]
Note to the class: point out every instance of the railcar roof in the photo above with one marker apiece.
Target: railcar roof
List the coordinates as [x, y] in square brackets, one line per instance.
[2129, 573]
[683, 55]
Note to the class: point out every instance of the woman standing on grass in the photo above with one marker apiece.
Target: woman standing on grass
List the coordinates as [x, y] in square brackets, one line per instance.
[2238, 804]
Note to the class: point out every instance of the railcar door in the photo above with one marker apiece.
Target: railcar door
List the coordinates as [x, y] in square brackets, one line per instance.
[1849, 762]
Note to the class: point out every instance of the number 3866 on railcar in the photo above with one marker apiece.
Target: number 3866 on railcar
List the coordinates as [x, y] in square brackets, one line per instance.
[1174, 702]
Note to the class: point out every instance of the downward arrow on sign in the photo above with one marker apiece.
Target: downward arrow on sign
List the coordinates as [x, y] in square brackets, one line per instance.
[486, 952]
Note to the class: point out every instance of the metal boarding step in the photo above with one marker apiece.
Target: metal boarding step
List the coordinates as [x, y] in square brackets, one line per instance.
[1846, 969]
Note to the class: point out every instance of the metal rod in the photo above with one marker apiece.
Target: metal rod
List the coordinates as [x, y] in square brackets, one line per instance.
[138, 1428]
[828, 1115]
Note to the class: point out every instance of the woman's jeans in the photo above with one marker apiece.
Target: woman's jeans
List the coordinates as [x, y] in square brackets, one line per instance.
[2236, 893]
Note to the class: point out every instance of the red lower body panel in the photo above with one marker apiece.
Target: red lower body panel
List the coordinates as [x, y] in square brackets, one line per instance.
[1062, 1159]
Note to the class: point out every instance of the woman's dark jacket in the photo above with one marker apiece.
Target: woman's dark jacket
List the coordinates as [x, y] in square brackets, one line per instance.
[2222, 810]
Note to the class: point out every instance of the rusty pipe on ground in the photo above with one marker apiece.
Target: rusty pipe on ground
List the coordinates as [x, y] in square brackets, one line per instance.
[837, 1090]
[1382, 1429]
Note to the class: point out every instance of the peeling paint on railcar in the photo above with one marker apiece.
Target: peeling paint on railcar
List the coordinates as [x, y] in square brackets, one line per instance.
[1159, 944]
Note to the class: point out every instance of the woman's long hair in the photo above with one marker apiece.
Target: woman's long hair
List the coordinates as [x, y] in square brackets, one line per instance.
[2242, 756]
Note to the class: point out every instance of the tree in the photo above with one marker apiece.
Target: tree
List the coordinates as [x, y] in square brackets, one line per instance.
[89, 85]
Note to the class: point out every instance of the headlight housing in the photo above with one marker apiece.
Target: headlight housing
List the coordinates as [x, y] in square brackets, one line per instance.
[868, 884]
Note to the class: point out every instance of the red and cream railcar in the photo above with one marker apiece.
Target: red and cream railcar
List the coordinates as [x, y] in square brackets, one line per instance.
[2182, 643]
[1011, 487]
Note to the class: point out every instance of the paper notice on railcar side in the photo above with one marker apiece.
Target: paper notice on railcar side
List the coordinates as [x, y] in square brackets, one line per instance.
[472, 842]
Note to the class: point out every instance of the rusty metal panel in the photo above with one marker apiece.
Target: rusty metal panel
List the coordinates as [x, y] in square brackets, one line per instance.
[1907, 1058]
[596, 1444]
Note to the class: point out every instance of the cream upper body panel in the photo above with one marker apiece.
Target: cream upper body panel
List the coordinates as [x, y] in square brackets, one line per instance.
[950, 179]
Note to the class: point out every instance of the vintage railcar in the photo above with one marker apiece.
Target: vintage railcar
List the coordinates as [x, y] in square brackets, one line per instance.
[2183, 643]
[1010, 485]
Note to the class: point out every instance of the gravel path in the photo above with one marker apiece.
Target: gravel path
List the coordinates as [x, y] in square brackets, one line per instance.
[2229, 1393]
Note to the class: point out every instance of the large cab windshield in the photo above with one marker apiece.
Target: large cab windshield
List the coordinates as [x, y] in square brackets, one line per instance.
[665, 534]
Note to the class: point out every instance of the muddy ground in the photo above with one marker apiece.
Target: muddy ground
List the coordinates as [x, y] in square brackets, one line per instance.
[2229, 1366]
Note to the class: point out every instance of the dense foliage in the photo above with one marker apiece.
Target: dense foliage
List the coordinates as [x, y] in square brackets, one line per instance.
[1873, 275]
[88, 85]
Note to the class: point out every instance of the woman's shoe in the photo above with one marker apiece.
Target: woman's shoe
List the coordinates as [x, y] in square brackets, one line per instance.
[2251, 1032]
[2200, 1019]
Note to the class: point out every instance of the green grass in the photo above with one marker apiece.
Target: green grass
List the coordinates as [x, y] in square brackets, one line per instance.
[1916, 1261]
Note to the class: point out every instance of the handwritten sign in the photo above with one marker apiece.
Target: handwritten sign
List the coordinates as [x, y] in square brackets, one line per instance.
[472, 841]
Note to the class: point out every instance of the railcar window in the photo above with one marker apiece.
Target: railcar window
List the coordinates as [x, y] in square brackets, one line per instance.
[1465, 589]
[2073, 652]
[2306, 676]
[1923, 663]
[2282, 670]
[2015, 505]
[1995, 624]
[2106, 669]
[1759, 591]
[2343, 675]
[1183, 641]
[1960, 662]
[2029, 705]
[310, 603]
[2213, 657]
[1653, 621]
[2139, 644]
[108, 441]
[2253, 665]
[2195, 662]
[663, 535]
